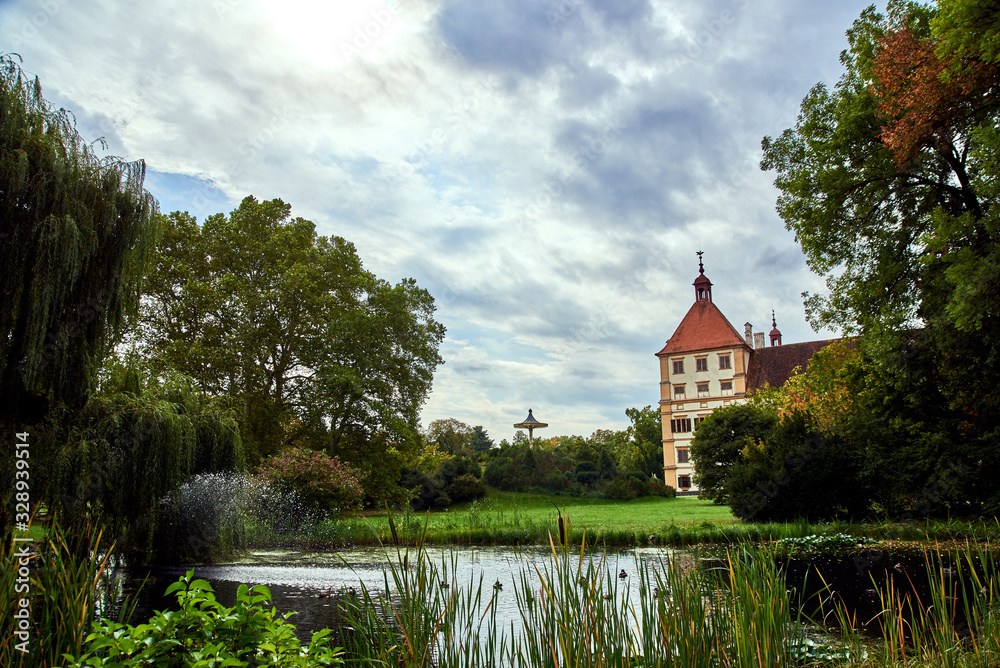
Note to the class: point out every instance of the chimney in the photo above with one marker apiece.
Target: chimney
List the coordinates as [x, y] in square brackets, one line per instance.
[748, 333]
[758, 340]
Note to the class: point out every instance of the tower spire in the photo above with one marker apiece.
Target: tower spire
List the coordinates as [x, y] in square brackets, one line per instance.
[702, 286]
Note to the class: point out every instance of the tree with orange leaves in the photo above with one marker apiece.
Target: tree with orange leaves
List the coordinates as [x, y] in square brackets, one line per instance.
[890, 181]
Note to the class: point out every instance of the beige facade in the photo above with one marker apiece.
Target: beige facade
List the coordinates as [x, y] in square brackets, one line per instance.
[692, 385]
[703, 366]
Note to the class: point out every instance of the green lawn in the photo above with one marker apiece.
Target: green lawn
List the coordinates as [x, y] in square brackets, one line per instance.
[514, 518]
[646, 514]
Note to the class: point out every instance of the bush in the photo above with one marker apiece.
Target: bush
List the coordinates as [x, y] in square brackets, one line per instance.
[622, 488]
[796, 473]
[555, 482]
[205, 633]
[425, 489]
[458, 466]
[318, 479]
[442, 500]
[466, 488]
[656, 487]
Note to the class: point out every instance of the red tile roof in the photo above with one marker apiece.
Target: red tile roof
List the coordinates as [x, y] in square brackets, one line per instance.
[771, 367]
[703, 328]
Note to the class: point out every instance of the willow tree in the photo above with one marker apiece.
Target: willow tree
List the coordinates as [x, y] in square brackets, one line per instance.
[75, 231]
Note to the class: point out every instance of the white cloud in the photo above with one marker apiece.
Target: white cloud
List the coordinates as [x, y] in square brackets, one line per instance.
[467, 144]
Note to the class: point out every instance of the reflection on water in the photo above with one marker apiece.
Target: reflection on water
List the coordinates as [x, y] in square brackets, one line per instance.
[308, 583]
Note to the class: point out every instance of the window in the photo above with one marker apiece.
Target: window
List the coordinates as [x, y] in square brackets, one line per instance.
[702, 389]
[698, 421]
[678, 366]
[680, 425]
[725, 361]
[683, 481]
[678, 391]
[726, 386]
[682, 456]
[701, 364]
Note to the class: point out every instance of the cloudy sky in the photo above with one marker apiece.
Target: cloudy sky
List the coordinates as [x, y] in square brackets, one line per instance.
[546, 169]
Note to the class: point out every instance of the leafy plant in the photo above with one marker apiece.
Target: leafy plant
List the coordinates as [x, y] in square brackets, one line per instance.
[820, 543]
[205, 633]
[62, 587]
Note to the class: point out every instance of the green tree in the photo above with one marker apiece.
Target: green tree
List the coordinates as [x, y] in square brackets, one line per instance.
[312, 348]
[481, 441]
[878, 217]
[718, 445]
[889, 182]
[644, 451]
[112, 462]
[795, 472]
[75, 233]
[451, 435]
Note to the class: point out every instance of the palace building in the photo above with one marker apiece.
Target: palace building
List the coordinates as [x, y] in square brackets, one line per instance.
[708, 364]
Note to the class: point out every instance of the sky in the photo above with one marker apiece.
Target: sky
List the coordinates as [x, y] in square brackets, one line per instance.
[547, 170]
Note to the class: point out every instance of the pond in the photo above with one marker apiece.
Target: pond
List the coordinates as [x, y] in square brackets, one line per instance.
[310, 583]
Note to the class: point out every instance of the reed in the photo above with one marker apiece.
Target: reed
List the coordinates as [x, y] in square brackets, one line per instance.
[64, 586]
[574, 611]
[955, 624]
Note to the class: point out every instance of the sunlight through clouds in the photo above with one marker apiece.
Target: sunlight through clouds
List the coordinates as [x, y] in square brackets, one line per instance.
[546, 170]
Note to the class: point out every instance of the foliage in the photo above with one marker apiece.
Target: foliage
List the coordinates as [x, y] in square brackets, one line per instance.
[643, 451]
[316, 477]
[205, 633]
[429, 458]
[967, 29]
[75, 233]
[795, 472]
[719, 442]
[60, 581]
[481, 441]
[890, 183]
[313, 348]
[466, 488]
[76, 230]
[818, 543]
[112, 462]
[450, 435]
[455, 480]
[828, 391]
[880, 232]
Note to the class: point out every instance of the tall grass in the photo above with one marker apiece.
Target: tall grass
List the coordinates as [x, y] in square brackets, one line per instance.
[575, 611]
[956, 625]
[738, 611]
[63, 588]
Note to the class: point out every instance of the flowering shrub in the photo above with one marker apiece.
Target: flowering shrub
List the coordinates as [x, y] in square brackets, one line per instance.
[316, 477]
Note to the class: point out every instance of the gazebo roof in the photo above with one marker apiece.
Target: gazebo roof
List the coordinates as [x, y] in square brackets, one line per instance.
[530, 422]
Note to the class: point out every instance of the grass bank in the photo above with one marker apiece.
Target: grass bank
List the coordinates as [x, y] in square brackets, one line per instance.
[508, 518]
